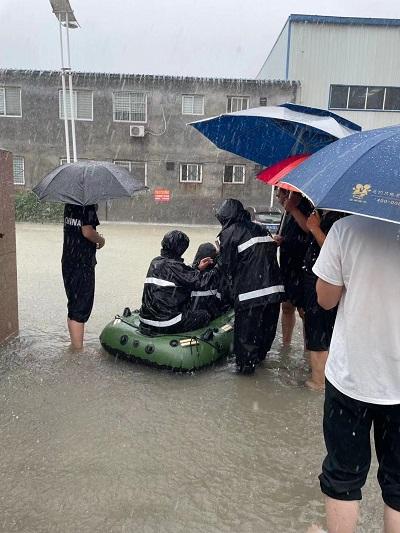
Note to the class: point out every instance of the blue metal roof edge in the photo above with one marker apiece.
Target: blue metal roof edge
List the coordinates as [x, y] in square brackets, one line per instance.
[355, 21]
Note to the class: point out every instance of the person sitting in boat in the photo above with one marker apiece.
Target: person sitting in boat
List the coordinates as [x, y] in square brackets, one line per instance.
[209, 297]
[166, 300]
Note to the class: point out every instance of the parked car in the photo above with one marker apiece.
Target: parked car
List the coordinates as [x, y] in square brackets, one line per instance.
[267, 217]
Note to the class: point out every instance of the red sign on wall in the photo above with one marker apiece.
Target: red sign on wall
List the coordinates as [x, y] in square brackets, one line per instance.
[162, 196]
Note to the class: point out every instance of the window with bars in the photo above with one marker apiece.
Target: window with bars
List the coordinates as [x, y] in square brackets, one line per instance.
[234, 174]
[129, 106]
[82, 103]
[138, 169]
[263, 101]
[191, 173]
[19, 170]
[237, 103]
[10, 102]
[359, 97]
[192, 104]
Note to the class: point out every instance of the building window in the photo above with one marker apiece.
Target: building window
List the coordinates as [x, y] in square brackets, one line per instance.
[10, 102]
[263, 101]
[63, 160]
[191, 173]
[138, 169]
[129, 106]
[19, 170]
[359, 97]
[83, 105]
[234, 174]
[192, 104]
[237, 103]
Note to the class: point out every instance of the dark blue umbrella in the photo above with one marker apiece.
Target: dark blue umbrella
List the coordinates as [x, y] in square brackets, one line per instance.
[267, 135]
[359, 174]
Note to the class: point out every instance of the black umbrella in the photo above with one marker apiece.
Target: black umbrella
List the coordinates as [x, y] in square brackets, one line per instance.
[87, 183]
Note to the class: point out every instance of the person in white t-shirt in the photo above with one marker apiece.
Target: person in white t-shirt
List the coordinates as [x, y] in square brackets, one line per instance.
[359, 268]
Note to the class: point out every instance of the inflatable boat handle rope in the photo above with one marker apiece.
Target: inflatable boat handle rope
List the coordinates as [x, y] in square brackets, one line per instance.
[193, 337]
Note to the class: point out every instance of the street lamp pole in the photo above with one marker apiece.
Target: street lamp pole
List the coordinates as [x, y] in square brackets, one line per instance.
[66, 19]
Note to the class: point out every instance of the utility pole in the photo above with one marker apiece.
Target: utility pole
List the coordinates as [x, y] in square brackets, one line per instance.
[66, 20]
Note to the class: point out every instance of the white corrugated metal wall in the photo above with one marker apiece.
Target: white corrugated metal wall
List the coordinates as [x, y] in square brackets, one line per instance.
[274, 67]
[325, 54]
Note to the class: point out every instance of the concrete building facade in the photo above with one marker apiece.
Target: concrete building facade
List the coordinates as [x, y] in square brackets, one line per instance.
[346, 64]
[139, 122]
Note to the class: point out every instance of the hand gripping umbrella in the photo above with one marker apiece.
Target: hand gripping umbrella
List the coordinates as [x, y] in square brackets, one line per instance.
[87, 183]
[359, 174]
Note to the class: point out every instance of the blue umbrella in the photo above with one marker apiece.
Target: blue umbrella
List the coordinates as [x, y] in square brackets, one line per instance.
[267, 135]
[359, 174]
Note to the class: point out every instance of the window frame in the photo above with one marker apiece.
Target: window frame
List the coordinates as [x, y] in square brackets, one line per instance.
[199, 172]
[193, 96]
[237, 97]
[233, 173]
[365, 108]
[121, 162]
[61, 104]
[131, 121]
[4, 87]
[22, 158]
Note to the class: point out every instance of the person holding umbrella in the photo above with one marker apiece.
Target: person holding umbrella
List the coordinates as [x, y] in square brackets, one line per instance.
[78, 266]
[81, 186]
[358, 268]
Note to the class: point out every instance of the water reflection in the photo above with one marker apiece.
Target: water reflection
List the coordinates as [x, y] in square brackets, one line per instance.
[91, 443]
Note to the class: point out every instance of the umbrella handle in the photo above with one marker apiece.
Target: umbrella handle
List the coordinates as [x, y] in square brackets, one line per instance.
[283, 217]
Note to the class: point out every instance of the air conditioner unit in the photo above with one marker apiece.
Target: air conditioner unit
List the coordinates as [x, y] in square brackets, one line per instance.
[136, 131]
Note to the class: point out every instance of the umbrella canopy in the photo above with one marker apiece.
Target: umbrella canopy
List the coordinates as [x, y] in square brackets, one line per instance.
[87, 183]
[273, 175]
[267, 135]
[359, 174]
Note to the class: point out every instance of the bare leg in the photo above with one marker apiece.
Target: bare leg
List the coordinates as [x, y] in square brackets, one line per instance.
[341, 516]
[76, 331]
[317, 362]
[391, 520]
[288, 322]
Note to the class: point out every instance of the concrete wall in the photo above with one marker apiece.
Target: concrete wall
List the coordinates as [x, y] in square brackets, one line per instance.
[38, 136]
[8, 265]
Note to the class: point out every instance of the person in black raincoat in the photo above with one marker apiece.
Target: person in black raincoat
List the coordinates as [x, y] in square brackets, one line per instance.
[209, 296]
[248, 257]
[166, 300]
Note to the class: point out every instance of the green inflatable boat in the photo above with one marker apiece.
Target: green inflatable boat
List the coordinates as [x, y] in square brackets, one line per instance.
[184, 351]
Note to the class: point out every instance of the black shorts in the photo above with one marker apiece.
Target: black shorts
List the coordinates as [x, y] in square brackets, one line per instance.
[318, 323]
[347, 427]
[79, 282]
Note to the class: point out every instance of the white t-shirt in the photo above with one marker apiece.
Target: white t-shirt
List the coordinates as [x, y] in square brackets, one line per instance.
[363, 255]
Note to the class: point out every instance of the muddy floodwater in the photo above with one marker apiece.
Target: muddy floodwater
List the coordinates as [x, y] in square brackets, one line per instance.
[90, 443]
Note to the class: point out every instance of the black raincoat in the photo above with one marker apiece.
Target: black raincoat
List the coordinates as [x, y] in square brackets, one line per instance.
[210, 294]
[168, 287]
[248, 256]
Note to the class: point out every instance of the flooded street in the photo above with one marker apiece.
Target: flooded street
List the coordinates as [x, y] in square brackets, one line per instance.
[90, 443]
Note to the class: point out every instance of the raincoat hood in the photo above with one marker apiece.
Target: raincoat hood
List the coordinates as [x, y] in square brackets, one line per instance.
[206, 249]
[174, 244]
[232, 211]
